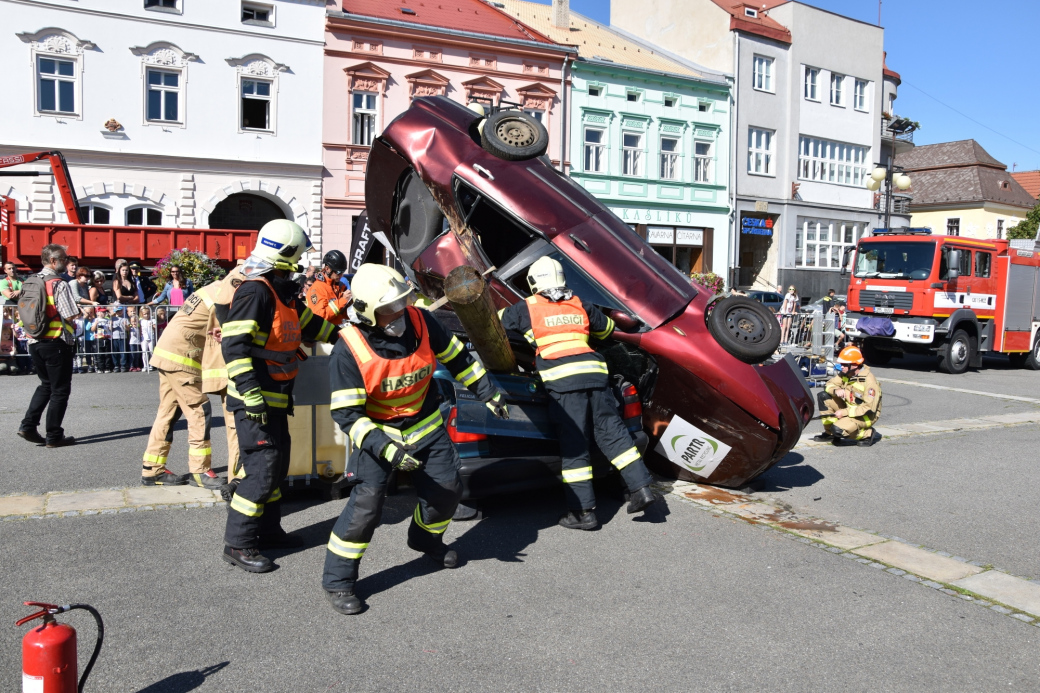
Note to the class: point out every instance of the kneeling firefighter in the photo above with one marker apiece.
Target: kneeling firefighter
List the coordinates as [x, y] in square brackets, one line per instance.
[381, 373]
[260, 340]
[850, 402]
[558, 326]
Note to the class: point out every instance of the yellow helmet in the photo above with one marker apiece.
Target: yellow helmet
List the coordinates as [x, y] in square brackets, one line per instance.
[544, 274]
[280, 244]
[378, 289]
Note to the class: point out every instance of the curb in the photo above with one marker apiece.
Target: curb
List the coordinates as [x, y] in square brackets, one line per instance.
[104, 501]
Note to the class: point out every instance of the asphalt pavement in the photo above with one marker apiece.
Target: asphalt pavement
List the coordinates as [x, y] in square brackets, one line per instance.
[684, 599]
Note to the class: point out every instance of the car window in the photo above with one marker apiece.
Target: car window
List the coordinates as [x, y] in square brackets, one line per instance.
[501, 236]
[586, 288]
[774, 298]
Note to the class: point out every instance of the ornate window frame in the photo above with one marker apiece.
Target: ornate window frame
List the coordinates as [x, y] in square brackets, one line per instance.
[53, 42]
[427, 83]
[167, 57]
[256, 66]
[483, 88]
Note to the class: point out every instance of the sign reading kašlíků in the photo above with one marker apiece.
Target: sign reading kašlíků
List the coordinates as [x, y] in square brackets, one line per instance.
[635, 215]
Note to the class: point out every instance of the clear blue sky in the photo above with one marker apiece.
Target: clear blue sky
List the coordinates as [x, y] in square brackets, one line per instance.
[974, 56]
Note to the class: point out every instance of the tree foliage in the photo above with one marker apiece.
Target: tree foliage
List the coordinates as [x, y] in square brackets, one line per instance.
[710, 281]
[1028, 226]
[196, 266]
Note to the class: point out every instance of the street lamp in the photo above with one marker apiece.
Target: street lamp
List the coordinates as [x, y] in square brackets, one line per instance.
[891, 174]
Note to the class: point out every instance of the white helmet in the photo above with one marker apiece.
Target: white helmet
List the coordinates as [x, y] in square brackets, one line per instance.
[378, 289]
[279, 245]
[546, 274]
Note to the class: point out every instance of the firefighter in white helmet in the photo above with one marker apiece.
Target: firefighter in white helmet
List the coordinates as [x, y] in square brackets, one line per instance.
[850, 402]
[383, 397]
[558, 325]
[260, 340]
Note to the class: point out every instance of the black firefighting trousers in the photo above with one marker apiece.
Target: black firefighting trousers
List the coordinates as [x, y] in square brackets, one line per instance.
[575, 414]
[256, 508]
[438, 486]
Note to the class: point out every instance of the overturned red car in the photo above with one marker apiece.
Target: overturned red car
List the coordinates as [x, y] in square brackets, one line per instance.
[450, 186]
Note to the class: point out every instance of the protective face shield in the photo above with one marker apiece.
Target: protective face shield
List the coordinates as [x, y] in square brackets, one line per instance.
[396, 328]
[379, 289]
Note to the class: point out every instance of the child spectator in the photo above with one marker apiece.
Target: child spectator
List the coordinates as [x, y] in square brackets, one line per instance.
[90, 341]
[103, 341]
[120, 345]
[7, 349]
[135, 343]
[148, 337]
[80, 359]
[160, 322]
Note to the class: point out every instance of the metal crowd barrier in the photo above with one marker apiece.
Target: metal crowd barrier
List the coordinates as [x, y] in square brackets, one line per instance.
[810, 337]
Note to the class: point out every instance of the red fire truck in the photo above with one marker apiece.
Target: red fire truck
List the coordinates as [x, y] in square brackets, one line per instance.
[957, 298]
[98, 245]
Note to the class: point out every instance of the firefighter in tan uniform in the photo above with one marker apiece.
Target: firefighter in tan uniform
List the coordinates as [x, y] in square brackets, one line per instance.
[851, 402]
[178, 356]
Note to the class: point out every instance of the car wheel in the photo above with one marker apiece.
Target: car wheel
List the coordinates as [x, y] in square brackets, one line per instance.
[418, 220]
[955, 355]
[514, 136]
[875, 356]
[1030, 360]
[744, 328]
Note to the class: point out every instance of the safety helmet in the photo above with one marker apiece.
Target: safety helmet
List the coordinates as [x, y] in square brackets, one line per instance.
[279, 245]
[545, 274]
[379, 289]
[850, 355]
[336, 261]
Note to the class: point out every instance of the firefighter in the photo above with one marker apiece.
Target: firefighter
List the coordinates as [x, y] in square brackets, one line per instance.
[558, 326]
[326, 297]
[187, 358]
[851, 402]
[381, 374]
[260, 340]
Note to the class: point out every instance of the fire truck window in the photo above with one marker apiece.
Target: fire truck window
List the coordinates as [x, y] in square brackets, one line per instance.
[965, 263]
[982, 262]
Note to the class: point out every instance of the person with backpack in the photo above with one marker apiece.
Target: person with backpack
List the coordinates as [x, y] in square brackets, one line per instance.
[47, 309]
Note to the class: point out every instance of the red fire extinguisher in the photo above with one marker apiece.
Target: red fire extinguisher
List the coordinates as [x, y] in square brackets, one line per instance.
[49, 651]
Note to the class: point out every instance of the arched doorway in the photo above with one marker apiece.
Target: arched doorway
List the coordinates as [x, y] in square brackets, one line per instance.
[244, 211]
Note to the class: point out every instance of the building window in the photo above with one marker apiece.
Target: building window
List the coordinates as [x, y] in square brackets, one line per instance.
[812, 84]
[702, 162]
[56, 85]
[364, 117]
[860, 97]
[163, 5]
[163, 98]
[595, 91]
[822, 243]
[1000, 228]
[633, 154]
[633, 96]
[669, 102]
[760, 151]
[256, 104]
[763, 77]
[537, 114]
[837, 90]
[595, 151]
[703, 106]
[94, 214]
[832, 162]
[671, 159]
[982, 264]
[143, 216]
[750, 12]
[953, 227]
[257, 14]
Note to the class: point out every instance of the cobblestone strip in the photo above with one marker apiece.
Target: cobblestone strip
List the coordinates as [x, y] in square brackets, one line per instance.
[106, 501]
[955, 576]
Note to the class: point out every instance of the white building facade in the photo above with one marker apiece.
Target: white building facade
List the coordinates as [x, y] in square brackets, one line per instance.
[185, 113]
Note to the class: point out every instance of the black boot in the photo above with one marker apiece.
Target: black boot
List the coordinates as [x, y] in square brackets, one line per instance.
[640, 499]
[441, 555]
[867, 442]
[585, 520]
[249, 560]
[345, 602]
[824, 437]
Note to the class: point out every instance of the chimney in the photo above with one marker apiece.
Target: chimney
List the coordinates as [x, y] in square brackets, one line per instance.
[561, 14]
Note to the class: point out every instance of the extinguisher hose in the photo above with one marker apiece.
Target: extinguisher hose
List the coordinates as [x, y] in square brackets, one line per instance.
[97, 644]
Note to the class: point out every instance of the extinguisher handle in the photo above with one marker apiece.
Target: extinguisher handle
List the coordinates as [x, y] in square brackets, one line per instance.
[47, 610]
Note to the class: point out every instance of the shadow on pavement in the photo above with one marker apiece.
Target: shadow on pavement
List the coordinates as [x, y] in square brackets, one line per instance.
[109, 436]
[789, 473]
[184, 681]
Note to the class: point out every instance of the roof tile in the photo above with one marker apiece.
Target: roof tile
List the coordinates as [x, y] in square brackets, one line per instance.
[1030, 181]
[463, 15]
[946, 154]
[762, 25]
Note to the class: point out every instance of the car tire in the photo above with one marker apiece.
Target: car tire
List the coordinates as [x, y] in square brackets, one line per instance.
[418, 219]
[875, 356]
[955, 356]
[514, 136]
[744, 328]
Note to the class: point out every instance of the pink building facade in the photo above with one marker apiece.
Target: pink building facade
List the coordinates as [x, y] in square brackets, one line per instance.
[375, 66]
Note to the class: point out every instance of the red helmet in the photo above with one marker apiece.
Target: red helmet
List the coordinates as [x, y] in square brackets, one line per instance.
[851, 355]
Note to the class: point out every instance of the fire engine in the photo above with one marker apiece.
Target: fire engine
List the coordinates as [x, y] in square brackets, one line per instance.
[957, 298]
[98, 245]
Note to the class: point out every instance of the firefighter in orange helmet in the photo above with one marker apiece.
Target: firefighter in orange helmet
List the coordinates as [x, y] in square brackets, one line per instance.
[851, 402]
[327, 298]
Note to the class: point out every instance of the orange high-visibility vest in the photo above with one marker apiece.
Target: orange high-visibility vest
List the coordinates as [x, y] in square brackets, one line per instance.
[559, 329]
[395, 388]
[54, 324]
[278, 349]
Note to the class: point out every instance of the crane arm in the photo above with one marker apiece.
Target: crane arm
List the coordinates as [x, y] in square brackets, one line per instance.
[61, 176]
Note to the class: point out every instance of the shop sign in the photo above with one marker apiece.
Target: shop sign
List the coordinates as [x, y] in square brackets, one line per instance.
[756, 227]
[660, 236]
[689, 237]
[654, 216]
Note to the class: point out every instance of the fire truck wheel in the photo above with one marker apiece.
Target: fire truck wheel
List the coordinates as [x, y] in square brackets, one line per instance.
[1030, 360]
[875, 356]
[955, 355]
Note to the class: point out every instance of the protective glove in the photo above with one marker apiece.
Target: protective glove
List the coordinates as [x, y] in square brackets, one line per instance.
[399, 459]
[498, 406]
[256, 408]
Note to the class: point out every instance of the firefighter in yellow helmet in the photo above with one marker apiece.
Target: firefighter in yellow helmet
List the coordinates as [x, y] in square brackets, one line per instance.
[260, 340]
[851, 402]
[384, 398]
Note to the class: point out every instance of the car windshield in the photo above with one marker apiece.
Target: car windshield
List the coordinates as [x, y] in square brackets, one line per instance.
[895, 260]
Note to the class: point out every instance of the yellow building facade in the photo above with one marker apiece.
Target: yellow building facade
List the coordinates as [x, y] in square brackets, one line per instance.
[988, 220]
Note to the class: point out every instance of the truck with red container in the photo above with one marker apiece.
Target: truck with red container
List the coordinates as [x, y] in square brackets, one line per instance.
[952, 297]
[98, 245]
